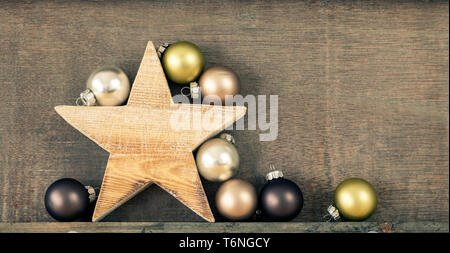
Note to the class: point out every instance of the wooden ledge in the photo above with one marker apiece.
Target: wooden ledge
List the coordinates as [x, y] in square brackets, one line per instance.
[223, 227]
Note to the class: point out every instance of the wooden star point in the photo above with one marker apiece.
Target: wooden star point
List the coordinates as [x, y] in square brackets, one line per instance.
[150, 140]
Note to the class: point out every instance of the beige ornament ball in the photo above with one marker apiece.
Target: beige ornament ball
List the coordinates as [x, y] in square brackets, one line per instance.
[220, 82]
[236, 199]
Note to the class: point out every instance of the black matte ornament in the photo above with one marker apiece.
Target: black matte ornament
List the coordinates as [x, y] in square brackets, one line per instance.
[66, 199]
[281, 199]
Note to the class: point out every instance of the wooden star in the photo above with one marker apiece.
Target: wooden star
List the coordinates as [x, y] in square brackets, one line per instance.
[143, 143]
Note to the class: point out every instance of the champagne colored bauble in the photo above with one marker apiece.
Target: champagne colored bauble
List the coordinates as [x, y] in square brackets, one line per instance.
[355, 199]
[236, 199]
[217, 160]
[220, 82]
[183, 62]
[110, 86]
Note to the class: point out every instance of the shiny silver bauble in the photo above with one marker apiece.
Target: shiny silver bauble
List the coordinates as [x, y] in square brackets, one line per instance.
[110, 86]
[217, 160]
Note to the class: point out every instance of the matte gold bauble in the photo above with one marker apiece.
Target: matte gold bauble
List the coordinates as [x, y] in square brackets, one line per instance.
[183, 62]
[217, 160]
[355, 199]
[219, 81]
[236, 199]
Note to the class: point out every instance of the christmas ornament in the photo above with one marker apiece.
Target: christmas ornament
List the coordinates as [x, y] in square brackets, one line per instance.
[220, 82]
[236, 199]
[218, 159]
[193, 90]
[140, 137]
[106, 86]
[280, 199]
[355, 199]
[183, 62]
[67, 199]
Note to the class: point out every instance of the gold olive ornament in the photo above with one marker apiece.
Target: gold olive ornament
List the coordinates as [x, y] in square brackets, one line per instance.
[236, 199]
[218, 159]
[220, 82]
[107, 85]
[355, 199]
[183, 62]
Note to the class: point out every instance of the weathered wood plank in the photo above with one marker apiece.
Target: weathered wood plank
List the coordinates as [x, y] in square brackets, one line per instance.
[223, 227]
[362, 88]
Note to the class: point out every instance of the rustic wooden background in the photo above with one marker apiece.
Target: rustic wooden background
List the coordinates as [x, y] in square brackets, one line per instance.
[363, 91]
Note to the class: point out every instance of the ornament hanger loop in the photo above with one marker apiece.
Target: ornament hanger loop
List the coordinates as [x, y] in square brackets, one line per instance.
[271, 166]
[192, 91]
[186, 91]
[79, 101]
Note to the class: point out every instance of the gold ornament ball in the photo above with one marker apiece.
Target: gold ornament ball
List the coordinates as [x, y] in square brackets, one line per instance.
[220, 82]
[355, 199]
[217, 160]
[183, 62]
[110, 86]
[236, 199]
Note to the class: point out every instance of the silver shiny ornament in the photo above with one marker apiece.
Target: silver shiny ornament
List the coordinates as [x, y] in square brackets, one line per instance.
[106, 86]
[218, 159]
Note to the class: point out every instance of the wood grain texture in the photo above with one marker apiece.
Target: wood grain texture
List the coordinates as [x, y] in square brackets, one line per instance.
[362, 88]
[145, 143]
[224, 227]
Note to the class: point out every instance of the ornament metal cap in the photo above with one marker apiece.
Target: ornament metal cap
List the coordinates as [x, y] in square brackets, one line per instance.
[228, 137]
[333, 212]
[274, 174]
[162, 48]
[87, 97]
[92, 194]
